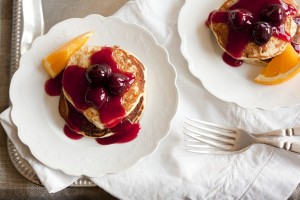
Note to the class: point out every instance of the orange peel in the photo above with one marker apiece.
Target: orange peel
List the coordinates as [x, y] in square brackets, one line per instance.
[57, 60]
[281, 68]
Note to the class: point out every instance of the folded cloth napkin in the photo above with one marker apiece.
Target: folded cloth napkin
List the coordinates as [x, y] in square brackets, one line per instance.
[261, 172]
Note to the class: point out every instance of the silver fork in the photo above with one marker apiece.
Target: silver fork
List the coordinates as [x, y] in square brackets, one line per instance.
[207, 137]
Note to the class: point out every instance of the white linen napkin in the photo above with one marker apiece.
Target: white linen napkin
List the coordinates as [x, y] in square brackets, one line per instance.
[261, 172]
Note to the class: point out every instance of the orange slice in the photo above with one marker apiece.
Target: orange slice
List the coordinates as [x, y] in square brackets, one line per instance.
[57, 60]
[281, 68]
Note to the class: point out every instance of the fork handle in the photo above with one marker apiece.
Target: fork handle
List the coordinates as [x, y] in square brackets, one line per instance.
[290, 146]
[294, 147]
[281, 132]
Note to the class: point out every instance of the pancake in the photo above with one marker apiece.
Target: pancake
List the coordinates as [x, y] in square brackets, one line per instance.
[253, 52]
[132, 100]
[86, 127]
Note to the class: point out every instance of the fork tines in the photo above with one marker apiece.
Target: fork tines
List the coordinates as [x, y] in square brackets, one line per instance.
[209, 136]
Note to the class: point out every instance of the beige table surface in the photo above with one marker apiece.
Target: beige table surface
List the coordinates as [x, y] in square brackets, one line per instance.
[12, 184]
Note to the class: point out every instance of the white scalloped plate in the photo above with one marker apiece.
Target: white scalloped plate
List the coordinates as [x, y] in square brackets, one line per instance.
[36, 114]
[230, 84]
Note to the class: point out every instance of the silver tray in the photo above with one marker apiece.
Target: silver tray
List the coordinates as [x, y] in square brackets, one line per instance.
[25, 169]
[32, 18]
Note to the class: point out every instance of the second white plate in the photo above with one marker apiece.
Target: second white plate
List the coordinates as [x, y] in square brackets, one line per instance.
[230, 84]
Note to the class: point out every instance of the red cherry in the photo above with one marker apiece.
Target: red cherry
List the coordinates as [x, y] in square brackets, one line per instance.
[96, 96]
[118, 84]
[239, 19]
[98, 74]
[261, 32]
[273, 14]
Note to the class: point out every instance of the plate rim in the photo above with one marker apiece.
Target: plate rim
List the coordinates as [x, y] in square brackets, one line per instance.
[173, 80]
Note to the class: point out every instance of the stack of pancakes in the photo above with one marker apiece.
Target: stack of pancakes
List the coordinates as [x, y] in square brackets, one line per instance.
[254, 53]
[133, 99]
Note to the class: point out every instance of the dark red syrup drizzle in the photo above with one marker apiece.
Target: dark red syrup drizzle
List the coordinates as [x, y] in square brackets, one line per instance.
[71, 133]
[123, 132]
[73, 80]
[76, 85]
[53, 85]
[216, 17]
[296, 38]
[237, 40]
[75, 119]
[231, 61]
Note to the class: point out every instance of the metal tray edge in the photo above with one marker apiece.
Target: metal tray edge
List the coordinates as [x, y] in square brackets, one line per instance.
[16, 36]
